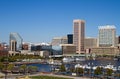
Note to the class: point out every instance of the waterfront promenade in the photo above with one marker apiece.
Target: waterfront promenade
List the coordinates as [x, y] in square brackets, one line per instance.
[14, 76]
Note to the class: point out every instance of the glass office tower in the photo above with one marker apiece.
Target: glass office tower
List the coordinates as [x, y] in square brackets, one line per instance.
[17, 38]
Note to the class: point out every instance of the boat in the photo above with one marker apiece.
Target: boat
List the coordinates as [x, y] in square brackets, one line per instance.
[109, 66]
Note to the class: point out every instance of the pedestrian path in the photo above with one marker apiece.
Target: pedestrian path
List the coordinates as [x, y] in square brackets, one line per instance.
[12, 76]
[65, 76]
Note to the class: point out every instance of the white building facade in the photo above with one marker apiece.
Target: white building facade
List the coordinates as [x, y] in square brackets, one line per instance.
[107, 36]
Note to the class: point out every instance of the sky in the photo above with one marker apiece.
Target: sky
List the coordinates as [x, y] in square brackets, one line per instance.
[42, 20]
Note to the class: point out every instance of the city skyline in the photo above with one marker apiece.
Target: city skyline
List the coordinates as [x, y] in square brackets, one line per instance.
[41, 20]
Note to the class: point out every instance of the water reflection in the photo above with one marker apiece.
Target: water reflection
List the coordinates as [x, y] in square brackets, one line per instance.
[42, 67]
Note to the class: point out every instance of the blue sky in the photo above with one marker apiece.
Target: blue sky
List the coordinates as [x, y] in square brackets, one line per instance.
[41, 20]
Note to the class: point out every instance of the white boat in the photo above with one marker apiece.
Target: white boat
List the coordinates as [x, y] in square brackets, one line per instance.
[78, 66]
[79, 59]
[114, 68]
[118, 67]
[66, 60]
[109, 66]
[94, 67]
[88, 67]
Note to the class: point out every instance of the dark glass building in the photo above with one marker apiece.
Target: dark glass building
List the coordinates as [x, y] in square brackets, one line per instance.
[70, 38]
[119, 40]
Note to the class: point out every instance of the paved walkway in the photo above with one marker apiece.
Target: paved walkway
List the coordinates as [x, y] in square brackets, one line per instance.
[13, 76]
[65, 76]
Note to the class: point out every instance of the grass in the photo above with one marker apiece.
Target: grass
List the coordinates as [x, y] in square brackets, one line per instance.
[48, 77]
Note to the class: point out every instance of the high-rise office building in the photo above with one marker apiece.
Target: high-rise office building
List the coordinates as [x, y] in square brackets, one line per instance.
[15, 40]
[70, 38]
[79, 35]
[107, 35]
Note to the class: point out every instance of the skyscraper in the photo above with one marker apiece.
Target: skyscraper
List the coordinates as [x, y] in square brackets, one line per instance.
[79, 35]
[15, 40]
[107, 35]
[70, 38]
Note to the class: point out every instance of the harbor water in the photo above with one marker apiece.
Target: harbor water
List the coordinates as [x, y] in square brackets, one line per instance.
[48, 67]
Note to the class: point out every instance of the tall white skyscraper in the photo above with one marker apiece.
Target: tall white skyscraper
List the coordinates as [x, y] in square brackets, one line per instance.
[107, 35]
[79, 35]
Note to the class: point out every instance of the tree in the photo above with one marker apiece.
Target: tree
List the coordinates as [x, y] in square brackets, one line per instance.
[23, 68]
[62, 68]
[10, 66]
[72, 69]
[98, 71]
[1, 66]
[79, 71]
[109, 72]
[12, 59]
[2, 59]
[32, 69]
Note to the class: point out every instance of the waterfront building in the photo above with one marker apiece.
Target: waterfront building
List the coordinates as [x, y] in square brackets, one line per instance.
[25, 46]
[3, 49]
[70, 38]
[79, 35]
[46, 47]
[15, 40]
[3, 53]
[41, 47]
[59, 40]
[56, 50]
[105, 51]
[118, 39]
[90, 42]
[35, 47]
[68, 49]
[44, 54]
[107, 35]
